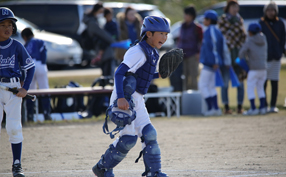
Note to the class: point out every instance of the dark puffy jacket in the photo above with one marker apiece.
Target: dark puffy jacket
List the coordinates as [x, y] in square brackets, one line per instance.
[275, 47]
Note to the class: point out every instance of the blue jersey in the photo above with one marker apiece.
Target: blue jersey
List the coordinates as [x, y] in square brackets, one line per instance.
[37, 50]
[13, 58]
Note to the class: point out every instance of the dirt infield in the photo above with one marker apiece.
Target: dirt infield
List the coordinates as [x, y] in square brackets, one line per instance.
[191, 146]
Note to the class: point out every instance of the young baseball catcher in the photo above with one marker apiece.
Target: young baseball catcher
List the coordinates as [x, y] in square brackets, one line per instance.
[255, 50]
[127, 110]
[13, 59]
[214, 53]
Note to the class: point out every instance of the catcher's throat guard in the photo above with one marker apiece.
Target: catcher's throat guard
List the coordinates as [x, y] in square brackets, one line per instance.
[120, 117]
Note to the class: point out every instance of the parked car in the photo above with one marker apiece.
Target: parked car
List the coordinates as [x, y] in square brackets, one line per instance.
[65, 17]
[61, 50]
[251, 11]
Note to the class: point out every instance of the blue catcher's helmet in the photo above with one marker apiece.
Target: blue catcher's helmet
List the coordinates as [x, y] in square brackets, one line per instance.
[118, 116]
[155, 23]
[6, 14]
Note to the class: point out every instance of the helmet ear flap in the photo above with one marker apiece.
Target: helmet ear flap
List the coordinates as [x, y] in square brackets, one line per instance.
[14, 27]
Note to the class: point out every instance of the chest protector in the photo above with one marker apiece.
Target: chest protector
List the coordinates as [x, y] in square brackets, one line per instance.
[146, 71]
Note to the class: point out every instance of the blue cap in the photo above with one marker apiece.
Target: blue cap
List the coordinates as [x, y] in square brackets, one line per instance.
[155, 23]
[6, 13]
[254, 27]
[211, 14]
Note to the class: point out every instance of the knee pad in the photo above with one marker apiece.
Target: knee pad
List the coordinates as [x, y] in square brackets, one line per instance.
[114, 155]
[151, 153]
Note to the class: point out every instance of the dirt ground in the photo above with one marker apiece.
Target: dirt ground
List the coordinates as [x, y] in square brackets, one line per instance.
[233, 146]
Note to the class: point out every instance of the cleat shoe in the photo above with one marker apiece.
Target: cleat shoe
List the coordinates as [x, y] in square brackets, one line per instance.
[273, 110]
[217, 112]
[101, 172]
[251, 112]
[227, 111]
[17, 170]
[157, 174]
[209, 113]
[262, 111]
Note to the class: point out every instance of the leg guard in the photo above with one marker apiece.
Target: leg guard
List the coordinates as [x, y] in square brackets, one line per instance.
[114, 155]
[151, 153]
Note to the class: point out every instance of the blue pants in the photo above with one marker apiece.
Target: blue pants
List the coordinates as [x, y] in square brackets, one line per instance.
[224, 89]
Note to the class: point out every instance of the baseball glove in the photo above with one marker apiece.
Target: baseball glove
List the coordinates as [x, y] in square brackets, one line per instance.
[170, 61]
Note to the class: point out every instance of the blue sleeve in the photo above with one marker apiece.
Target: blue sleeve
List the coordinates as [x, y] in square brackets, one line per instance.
[119, 74]
[43, 52]
[29, 77]
[155, 75]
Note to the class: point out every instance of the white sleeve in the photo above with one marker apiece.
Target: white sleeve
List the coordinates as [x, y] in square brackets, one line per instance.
[134, 58]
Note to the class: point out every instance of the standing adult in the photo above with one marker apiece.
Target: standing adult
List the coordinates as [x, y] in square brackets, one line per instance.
[190, 39]
[231, 25]
[274, 30]
[100, 37]
[129, 28]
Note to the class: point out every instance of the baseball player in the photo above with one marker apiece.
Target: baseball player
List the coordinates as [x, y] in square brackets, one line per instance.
[37, 50]
[214, 53]
[13, 59]
[141, 61]
[255, 49]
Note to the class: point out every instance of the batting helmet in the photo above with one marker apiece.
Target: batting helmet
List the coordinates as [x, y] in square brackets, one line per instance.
[155, 23]
[6, 14]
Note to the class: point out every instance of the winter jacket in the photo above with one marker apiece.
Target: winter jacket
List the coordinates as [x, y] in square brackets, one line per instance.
[123, 31]
[214, 49]
[190, 39]
[275, 47]
[95, 31]
[232, 29]
[255, 51]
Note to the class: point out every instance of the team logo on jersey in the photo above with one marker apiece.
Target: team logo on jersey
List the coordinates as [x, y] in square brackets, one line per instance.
[8, 62]
[5, 12]
[154, 60]
[29, 60]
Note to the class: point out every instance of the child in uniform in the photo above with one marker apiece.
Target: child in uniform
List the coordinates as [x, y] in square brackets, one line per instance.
[140, 60]
[37, 49]
[13, 59]
[214, 53]
[255, 51]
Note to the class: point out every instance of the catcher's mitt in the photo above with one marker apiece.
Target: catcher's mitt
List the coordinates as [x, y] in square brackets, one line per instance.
[170, 61]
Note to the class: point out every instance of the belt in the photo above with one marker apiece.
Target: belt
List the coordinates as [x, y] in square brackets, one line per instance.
[8, 80]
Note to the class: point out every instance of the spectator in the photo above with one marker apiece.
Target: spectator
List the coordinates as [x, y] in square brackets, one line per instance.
[274, 30]
[231, 26]
[111, 25]
[37, 50]
[255, 50]
[101, 40]
[213, 54]
[129, 28]
[190, 39]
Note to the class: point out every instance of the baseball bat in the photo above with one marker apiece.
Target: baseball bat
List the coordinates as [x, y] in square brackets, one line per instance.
[32, 97]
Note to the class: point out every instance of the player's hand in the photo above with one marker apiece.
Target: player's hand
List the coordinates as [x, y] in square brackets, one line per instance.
[22, 92]
[123, 104]
[215, 67]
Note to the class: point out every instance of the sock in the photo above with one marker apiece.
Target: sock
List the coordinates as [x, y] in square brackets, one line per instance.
[209, 102]
[17, 151]
[252, 104]
[214, 101]
[262, 103]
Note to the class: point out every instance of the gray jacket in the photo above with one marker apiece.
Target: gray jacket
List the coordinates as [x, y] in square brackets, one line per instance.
[254, 50]
[94, 30]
